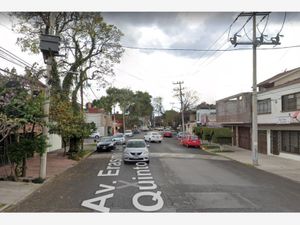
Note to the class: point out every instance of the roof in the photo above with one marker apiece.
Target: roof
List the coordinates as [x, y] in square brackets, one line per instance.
[296, 81]
[279, 76]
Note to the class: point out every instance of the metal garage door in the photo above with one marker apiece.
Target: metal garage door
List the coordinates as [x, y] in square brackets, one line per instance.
[244, 137]
[262, 141]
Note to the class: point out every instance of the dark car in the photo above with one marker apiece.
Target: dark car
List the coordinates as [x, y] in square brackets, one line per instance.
[106, 144]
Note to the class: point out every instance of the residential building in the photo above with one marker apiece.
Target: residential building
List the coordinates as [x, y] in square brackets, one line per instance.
[102, 120]
[206, 114]
[278, 114]
[234, 112]
[278, 109]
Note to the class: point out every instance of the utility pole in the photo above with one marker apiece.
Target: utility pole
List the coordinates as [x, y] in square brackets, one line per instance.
[181, 101]
[255, 43]
[43, 158]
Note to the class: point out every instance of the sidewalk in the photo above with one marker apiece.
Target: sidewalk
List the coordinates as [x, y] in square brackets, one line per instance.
[13, 192]
[287, 168]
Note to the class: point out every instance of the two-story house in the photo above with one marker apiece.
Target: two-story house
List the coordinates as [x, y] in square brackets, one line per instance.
[235, 112]
[278, 109]
[102, 120]
[278, 118]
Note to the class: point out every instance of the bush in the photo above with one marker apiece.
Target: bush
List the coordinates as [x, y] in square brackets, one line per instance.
[217, 135]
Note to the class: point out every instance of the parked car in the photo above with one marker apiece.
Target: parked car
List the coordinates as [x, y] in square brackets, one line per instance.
[153, 136]
[136, 150]
[119, 138]
[95, 135]
[128, 133]
[136, 131]
[106, 144]
[180, 135]
[191, 141]
[167, 133]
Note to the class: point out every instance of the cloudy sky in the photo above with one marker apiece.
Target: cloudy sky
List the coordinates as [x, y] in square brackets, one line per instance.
[146, 66]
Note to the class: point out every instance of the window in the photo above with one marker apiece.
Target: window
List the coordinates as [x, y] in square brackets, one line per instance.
[291, 102]
[264, 106]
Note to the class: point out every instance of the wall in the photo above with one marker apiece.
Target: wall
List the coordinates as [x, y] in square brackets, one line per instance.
[277, 116]
[235, 109]
[55, 141]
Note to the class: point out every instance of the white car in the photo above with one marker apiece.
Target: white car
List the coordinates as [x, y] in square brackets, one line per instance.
[128, 133]
[95, 135]
[153, 136]
[136, 150]
[119, 138]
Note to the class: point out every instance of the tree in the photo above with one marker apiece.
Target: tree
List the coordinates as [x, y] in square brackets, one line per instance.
[21, 102]
[190, 99]
[91, 48]
[171, 118]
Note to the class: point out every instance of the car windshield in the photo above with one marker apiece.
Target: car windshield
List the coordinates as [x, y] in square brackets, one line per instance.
[119, 135]
[106, 139]
[128, 131]
[136, 144]
[154, 133]
[194, 137]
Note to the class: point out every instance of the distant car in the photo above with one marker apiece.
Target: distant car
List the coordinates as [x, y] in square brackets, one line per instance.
[136, 131]
[106, 144]
[128, 133]
[167, 133]
[136, 150]
[95, 135]
[119, 138]
[191, 141]
[180, 135]
[153, 136]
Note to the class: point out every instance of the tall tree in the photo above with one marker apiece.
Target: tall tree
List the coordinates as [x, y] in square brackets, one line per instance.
[91, 48]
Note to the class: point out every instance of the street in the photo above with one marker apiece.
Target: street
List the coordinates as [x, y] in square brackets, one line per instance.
[178, 179]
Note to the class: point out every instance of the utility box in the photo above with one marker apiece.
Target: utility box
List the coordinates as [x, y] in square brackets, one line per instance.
[49, 44]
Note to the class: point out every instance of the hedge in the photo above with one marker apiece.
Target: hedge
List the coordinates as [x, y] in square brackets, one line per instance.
[217, 135]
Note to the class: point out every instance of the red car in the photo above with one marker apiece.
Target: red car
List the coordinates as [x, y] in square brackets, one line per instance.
[168, 134]
[191, 141]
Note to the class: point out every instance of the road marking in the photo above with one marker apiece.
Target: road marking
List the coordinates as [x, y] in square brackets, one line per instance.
[98, 203]
[144, 176]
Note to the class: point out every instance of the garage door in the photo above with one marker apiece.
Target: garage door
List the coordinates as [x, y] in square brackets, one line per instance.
[244, 137]
[262, 141]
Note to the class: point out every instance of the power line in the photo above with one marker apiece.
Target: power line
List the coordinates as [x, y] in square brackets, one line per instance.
[282, 23]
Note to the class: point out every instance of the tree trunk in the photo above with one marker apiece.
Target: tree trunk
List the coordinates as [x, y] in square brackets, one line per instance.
[24, 167]
[74, 145]
[64, 146]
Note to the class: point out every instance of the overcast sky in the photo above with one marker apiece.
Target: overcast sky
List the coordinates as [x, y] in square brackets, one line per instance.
[214, 75]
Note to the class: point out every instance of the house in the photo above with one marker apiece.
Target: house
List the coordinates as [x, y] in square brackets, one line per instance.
[278, 115]
[234, 112]
[102, 120]
[206, 114]
[278, 110]
[190, 117]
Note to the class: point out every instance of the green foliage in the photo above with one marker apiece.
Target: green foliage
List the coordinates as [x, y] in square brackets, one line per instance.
[79, 155]
[18, 151]
[67, 122]
[216, 135]
[171, 118]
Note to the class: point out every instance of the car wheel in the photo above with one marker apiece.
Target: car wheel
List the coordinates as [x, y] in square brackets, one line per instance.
[97, 137]
[159, 142]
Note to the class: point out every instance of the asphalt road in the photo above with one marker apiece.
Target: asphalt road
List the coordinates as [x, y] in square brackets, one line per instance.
[178, 179]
